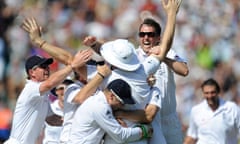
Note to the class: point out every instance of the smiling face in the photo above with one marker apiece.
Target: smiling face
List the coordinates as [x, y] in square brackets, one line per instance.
[210, 93]
[39, 73]
[148, 37]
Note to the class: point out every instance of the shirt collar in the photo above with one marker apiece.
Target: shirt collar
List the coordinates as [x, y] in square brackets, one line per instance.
[140, 50]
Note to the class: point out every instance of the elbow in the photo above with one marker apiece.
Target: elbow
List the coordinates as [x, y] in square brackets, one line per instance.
[185, 73]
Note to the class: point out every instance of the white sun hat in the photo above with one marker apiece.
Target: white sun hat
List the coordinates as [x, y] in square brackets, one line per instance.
[121, 54]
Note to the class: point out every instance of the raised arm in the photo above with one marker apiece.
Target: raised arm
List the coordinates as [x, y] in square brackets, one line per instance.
[179, 68]
[171, 8]
[189, 140]
[56, 78]
[89, 89]
[92, 42]
[31, 26]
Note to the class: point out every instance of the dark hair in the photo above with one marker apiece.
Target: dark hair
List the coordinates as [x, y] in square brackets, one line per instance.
[152, 23]
[211, 82]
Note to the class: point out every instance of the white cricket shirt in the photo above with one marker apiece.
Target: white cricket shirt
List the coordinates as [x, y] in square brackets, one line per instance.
[165, 82]
[69, 106]
[30, 113]
[215, 127]
[93, 118]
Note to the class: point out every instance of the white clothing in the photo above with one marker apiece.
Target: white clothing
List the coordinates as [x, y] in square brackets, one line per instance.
[30, 113]
[51, 134]
[215, 127]
[141, 91]
[171, 125]
[93, 118]
[70, 107]
[12, 141]
[137, 80]
[157, 134]
[56, 109]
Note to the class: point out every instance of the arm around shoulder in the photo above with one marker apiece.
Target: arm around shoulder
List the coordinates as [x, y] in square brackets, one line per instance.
[189, 140]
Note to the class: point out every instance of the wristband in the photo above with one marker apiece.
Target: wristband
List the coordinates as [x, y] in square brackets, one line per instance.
[145, 133]
[42, 44]
[93, 45]
[102, 76]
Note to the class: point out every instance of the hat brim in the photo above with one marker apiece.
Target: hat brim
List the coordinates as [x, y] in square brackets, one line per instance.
[128, 101]
[56, 108]
[108, 54]
[47, 61]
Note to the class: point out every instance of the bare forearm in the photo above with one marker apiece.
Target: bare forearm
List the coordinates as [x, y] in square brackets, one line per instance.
[134, 116]
[179, 68]
[57, 53]
[140, 116]
[189, 140]
[31, 26]
[168, 35]
[55, 79]
[88, 89]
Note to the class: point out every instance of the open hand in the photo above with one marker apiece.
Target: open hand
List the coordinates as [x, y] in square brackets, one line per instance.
[171, 5]
[31, 26]
[89, 41]
[81, 57]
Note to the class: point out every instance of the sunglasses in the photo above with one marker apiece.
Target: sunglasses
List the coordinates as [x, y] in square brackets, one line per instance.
[149, 34]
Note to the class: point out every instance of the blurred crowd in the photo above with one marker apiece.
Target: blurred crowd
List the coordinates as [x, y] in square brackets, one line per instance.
[207, 35]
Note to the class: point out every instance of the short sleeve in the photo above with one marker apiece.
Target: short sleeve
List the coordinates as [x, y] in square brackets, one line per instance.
[192, 129]
[173, 55]
[71, 92]
[156, 98]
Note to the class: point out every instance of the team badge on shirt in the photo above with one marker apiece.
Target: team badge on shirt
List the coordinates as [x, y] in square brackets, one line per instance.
[109, 114]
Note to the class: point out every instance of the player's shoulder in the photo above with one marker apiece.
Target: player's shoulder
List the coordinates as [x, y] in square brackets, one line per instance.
[232, 105]
[199, 106]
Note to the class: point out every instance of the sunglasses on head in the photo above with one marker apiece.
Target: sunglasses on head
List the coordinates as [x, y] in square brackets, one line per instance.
[40, 66]
[149, 34]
